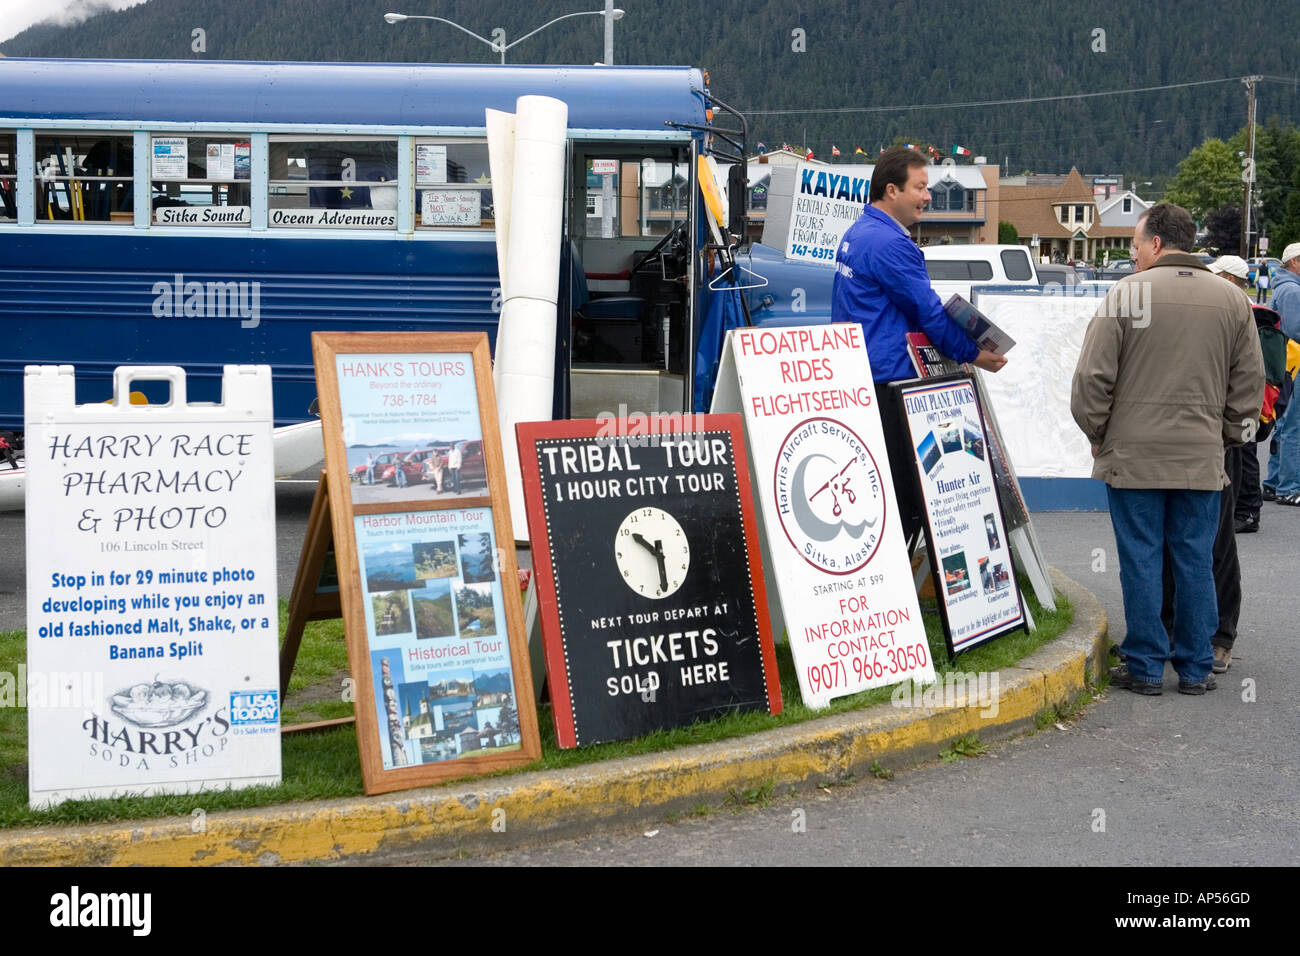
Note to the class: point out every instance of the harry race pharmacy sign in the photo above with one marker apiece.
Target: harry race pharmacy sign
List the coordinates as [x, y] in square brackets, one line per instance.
[152, 622]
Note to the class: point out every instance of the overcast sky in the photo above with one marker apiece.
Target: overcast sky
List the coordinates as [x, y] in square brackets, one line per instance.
[17, 15]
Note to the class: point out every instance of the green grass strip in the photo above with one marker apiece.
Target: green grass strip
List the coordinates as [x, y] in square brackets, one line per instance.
[320, 766]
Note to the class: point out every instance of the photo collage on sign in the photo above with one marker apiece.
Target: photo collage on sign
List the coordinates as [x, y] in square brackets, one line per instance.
[411, 427]
[439, 654]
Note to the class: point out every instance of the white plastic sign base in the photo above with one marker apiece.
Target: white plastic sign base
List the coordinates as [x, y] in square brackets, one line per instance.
[152, 621]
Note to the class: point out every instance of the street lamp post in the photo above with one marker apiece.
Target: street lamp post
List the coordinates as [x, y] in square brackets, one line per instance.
[610, 13]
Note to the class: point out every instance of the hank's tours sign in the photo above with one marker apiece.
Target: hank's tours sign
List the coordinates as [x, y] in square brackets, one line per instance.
[151, 616]
[835, 548]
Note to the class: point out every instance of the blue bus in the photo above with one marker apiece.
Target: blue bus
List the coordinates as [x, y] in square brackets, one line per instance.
[200, 213]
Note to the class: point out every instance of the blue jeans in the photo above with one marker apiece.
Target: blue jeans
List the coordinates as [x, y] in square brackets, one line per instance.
[1146, 521]
[1284, 467]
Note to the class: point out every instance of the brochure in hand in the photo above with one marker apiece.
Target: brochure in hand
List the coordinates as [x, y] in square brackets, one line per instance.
[978, 325]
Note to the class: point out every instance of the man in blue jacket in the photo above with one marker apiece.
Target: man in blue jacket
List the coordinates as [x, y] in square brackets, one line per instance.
[881, 283]
[1283, 481]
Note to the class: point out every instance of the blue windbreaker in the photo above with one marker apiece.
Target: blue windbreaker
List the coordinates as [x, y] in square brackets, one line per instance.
[881, 283]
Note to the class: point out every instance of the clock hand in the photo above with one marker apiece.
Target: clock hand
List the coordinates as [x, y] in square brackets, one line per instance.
[663, 567]
[643, 542]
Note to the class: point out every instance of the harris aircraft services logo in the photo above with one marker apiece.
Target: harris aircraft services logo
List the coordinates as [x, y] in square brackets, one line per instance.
[829, 496]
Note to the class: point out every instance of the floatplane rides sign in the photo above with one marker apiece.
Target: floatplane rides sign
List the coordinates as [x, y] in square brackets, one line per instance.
[835, 551]
[151, 604]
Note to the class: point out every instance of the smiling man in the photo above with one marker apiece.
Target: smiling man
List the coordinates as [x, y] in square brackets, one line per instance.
[881, 283]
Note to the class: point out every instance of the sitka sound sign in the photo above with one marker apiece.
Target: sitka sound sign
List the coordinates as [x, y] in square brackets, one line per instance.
[646, 554]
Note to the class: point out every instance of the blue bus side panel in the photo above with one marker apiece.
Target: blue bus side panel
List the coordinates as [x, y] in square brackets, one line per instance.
[99, 301]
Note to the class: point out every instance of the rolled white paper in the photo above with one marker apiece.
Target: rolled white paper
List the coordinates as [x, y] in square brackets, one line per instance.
[524, 372]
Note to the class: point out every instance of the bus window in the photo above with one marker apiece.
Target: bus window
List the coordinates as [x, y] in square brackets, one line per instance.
[631, 242]
[8, 174]
[333, 183]
[453, 185]
[84, 177]
[664, 196]
[200, 180]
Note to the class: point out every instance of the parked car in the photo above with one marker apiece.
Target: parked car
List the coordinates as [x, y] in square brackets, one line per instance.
[383, 464]
[1061, 275]
[472, 468]
[1117, 270]
[413, 464]
[955, 268]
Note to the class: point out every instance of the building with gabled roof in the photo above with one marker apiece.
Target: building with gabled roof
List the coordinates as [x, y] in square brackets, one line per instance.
[1063, 223]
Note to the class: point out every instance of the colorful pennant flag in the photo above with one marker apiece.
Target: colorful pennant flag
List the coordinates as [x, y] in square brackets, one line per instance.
[835, 150]
[960, 151]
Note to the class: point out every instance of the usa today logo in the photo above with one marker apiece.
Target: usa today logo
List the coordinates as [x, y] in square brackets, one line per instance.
[253, 707]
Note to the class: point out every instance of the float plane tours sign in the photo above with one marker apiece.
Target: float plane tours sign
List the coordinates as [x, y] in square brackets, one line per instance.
[970, 553]
[151, 611]
[834, 545]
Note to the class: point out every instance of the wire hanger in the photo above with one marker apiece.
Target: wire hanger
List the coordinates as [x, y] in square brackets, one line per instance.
[730, 270]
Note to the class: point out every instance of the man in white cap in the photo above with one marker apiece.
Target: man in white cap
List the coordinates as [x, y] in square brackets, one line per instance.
[1232, 268]
[1283, 481]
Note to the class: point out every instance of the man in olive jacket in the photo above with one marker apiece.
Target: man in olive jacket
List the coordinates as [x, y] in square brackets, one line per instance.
[1169, 373]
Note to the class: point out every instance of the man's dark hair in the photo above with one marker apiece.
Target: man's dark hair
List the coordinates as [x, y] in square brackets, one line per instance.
[1173, 224]
[893, 168]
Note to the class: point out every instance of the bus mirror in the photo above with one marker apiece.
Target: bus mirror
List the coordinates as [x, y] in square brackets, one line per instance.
[737, 200]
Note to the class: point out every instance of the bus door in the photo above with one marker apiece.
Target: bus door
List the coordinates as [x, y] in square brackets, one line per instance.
[631, 288]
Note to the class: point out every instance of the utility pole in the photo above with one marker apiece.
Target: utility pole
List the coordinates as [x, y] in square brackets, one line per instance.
[1248, 165]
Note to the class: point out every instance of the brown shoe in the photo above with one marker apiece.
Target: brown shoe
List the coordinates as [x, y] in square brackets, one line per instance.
[1222, 659]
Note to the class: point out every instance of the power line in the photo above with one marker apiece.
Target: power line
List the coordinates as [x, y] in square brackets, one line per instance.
[1010, 102]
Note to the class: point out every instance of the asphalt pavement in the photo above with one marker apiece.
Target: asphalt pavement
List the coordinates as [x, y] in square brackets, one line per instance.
[1134, 780]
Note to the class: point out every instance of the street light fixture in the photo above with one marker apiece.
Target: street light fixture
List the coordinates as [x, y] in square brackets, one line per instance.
[610, 13]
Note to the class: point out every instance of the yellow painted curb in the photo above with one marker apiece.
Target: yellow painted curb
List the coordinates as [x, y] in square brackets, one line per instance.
[524, 808]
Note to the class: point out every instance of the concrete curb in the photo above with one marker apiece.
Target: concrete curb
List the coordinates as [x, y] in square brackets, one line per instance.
[551, 804]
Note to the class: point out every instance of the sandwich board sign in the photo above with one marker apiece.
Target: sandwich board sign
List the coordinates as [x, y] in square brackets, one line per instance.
[425, 556]
[929, 362]
[152, 621]
[970, 553]
[645, 553]
[835, 553]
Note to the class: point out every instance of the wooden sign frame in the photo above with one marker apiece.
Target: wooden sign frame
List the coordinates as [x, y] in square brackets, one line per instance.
[326, 348]
[560, 643]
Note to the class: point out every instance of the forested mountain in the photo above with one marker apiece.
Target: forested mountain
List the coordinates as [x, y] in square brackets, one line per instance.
[844, 69]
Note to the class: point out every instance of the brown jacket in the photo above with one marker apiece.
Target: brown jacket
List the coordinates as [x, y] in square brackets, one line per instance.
[1170, 372]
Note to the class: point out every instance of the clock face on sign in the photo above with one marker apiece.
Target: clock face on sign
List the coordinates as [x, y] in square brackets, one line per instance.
[652, 552]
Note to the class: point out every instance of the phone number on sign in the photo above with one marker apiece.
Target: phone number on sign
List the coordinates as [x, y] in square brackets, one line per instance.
[833, 674]
[402, 399]
[815, 253]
